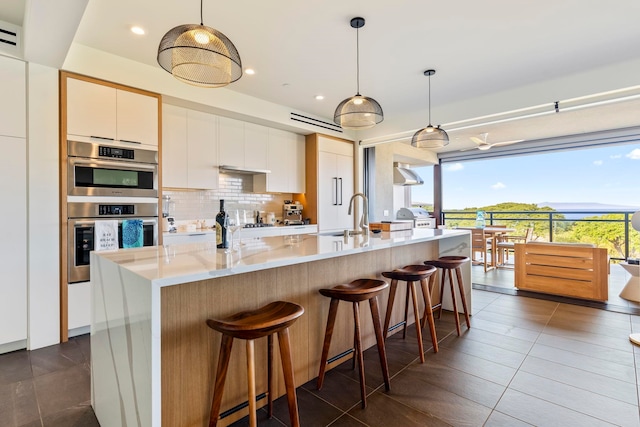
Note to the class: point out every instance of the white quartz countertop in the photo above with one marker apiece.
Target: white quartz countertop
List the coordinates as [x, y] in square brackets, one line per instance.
[172, 265]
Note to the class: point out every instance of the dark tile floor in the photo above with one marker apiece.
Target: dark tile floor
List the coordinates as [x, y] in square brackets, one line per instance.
[524, 362]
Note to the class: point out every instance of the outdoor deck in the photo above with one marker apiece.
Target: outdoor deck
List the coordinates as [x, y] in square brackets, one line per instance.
[502, 279]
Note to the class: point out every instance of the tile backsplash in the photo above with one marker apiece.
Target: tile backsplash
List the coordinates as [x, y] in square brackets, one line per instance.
[237, 192]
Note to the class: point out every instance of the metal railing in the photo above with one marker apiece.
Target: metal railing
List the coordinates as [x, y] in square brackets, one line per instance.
[609, 229]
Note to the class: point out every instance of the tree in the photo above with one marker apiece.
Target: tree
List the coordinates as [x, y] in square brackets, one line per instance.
[605, 231]
[514, 215]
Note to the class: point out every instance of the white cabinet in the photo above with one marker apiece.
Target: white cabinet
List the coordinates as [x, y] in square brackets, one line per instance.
[329, 178]
[256, 145]
[231, 141]
[174, 146]
[136, 118]
[13, 105]
[13, 251]
[169, 239]
[242, 144]
[202, 150]
[335, 187]
[106, 113]
[286, 161]
[13, 187]
[189, 149]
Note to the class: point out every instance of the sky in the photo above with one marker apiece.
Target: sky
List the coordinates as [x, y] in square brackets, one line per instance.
[609, 175]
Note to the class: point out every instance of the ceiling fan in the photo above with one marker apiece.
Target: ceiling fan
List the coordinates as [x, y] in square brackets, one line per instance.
[482, 143]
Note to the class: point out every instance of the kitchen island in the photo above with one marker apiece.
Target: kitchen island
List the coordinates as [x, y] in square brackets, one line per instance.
[152, 355]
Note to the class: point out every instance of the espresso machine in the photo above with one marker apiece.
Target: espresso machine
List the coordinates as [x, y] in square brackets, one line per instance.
[292, 213]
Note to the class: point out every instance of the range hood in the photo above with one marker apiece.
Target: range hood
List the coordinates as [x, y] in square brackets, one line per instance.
[242, 169]
[403, 175]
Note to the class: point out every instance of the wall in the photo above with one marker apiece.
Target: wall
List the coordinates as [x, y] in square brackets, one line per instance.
[388, 195]
[237, 192]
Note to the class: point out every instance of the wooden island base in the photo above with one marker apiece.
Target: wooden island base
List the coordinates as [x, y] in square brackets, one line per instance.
[189, 349]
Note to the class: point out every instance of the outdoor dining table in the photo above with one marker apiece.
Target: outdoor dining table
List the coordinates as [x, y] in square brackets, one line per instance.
[494, 233]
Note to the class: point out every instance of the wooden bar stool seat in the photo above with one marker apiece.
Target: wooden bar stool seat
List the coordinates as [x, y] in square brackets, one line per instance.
[448, 264]
[275, 317]
[355, 292]
[412, 274]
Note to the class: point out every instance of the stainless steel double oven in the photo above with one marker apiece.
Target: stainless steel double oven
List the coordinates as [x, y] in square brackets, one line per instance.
[105, 170]
[107, 182]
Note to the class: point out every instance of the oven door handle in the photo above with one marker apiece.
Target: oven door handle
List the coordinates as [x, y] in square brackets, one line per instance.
[114, 164]
[91, 222]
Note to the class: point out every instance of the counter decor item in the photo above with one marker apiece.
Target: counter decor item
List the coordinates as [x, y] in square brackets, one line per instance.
[391, 225]
[105, 235]
[221, 228]
[132, 233]
[480, 221]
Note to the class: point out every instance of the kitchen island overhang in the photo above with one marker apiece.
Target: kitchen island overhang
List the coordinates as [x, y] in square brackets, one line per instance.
[150, 344]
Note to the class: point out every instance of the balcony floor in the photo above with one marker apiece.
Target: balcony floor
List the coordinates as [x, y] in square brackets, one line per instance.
[502, 279]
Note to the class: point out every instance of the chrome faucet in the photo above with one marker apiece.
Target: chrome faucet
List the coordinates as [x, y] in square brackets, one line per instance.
[364, 219]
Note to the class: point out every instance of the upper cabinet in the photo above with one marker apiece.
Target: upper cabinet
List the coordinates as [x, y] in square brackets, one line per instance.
[13, 106]
[174, 146]
[136, 118]
[104, 112]
[286, 161]
[189, 149]
[242, 144]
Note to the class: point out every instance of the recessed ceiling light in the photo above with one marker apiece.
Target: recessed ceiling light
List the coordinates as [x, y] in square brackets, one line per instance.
[137, 30]
[319, 97]
[250, 71]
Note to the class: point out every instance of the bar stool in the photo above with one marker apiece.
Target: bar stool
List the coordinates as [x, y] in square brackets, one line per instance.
[356, 291]
[447, 264]
[275, 317]
[412, 274]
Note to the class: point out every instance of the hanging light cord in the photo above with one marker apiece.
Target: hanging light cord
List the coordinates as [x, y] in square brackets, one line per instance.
[357, 61]
[430, 100]
[201, 20]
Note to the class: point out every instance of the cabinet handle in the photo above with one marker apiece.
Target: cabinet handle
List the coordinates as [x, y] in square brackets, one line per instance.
[197, 234]
[131, 142]
[102, 137]
[335, 192]
[340, 191]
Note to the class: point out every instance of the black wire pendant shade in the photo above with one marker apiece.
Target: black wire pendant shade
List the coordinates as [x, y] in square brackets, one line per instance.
[200, 55]
[430, 137]
[358, 112]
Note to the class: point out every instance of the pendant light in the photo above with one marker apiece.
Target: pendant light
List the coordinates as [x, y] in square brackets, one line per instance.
[358, 112]
[199, 55]
[430, 137]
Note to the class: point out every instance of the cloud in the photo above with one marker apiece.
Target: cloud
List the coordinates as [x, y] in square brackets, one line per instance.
[634, 155]
[455, 167]
[615, 156]
[598, 162]
[498, 186]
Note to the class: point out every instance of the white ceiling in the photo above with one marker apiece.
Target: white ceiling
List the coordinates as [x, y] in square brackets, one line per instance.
[490, 56]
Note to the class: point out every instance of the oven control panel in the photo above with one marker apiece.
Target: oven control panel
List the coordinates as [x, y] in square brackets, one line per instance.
[116, 152]
[112, 210]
